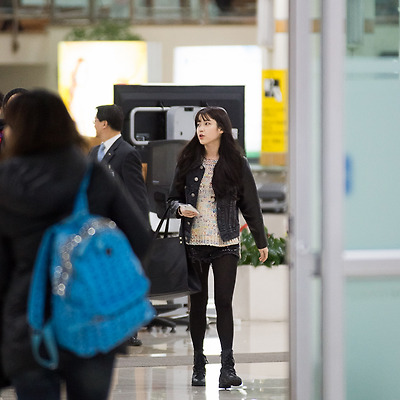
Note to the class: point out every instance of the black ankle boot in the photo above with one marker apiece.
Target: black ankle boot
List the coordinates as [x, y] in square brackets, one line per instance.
[228, 375]
[199, 369]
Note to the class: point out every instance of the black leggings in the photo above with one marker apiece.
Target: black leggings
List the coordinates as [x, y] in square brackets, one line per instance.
[224, 269]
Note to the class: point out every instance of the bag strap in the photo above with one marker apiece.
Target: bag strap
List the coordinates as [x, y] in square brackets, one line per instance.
[38, 288]
[81, 202]
[147, 259]
[42, 332]
[45, 338]
[163, 218]
[37, 296]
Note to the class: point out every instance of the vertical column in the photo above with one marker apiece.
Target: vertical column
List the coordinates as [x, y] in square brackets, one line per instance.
[333, 53]
[300, 191]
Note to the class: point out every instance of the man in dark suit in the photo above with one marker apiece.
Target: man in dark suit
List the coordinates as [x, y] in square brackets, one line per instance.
[121, 158]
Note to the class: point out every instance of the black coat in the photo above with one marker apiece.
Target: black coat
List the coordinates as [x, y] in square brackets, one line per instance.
[124, 161]
[35, 192]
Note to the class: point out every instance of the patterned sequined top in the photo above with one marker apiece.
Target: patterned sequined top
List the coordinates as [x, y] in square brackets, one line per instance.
[205, 228]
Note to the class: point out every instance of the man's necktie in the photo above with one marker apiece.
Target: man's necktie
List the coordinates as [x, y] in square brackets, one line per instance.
[101, 152]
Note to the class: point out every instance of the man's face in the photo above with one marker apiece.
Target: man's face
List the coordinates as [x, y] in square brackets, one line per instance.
[99, 127]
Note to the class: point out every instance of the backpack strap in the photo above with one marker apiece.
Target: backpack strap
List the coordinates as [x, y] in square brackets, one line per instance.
[37, 296]
[81, 203]
[41, 332]
[38, 288]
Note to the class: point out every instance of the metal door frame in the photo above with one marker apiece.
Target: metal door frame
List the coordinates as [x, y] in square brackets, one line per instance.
[328, 264]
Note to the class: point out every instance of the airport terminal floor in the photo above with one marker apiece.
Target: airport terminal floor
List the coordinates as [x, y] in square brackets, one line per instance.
[161, 368]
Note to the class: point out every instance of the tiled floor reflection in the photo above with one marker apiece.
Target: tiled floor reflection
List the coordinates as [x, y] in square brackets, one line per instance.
[265, 380]
[138, 375]
[259, 382]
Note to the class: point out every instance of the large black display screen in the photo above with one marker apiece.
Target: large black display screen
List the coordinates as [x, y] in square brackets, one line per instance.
[152, 125]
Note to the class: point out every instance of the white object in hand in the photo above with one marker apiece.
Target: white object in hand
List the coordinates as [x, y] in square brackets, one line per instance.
[189, 207]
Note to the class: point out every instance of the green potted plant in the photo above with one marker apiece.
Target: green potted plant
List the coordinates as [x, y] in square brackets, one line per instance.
[104, 30]
[250, 254]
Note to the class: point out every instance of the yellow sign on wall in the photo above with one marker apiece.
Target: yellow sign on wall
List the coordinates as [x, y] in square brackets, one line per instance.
[274, 111]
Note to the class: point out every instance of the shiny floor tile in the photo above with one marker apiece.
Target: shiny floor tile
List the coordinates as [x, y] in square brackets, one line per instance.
[161, 368]
[253, 340]
[261, 382]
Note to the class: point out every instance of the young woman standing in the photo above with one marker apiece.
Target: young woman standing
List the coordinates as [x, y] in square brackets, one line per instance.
[213, 176]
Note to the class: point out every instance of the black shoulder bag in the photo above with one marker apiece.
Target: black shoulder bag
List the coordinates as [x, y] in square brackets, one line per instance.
[167, 266]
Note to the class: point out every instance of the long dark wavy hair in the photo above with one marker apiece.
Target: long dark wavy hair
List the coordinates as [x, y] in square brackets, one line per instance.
[39, 122]
[228, 170]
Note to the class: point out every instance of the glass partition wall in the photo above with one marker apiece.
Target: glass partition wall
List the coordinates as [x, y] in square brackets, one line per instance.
[371, 213]
[345, 245]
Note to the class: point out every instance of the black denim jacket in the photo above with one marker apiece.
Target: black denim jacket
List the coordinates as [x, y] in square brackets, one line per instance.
[247, 201]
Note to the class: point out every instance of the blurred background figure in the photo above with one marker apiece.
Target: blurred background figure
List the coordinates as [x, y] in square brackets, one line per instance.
[5, 99]
[40, 173]
[1, 118]
[122, 159]
[11, 95]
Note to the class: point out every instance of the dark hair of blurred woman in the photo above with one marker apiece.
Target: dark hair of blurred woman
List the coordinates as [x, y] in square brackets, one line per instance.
[34, 133]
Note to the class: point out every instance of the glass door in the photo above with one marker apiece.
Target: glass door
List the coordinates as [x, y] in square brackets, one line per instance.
[344, 97]
[371, 212]
[305, 210]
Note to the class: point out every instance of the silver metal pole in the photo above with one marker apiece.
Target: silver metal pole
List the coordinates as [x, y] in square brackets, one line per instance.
[300, 152]
[333, 53]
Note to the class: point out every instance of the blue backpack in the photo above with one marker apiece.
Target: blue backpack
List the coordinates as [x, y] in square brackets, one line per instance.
[99, 290]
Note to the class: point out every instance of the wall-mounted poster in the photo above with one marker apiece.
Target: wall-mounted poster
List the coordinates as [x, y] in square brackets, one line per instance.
[87, 72]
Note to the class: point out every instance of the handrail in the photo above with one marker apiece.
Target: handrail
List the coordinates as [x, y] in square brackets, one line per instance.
[14, 16]
[243, 12]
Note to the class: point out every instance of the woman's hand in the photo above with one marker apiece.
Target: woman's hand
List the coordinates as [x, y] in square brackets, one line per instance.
[187, 213]
[263, 254]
